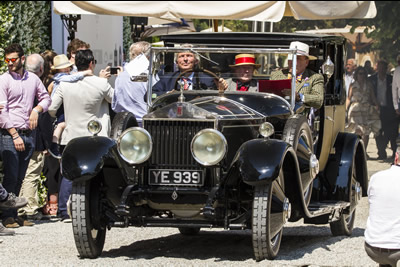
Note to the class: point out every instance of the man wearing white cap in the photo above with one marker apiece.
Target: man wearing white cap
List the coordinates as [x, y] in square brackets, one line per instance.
[309, 84]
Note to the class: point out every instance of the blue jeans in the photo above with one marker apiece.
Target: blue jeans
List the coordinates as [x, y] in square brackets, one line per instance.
[64, 193]
[15, 164]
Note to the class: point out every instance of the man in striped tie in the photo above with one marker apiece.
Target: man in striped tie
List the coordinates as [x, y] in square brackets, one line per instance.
[191, 80]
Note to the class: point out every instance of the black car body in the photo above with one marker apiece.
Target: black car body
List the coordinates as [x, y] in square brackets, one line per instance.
[231, 160]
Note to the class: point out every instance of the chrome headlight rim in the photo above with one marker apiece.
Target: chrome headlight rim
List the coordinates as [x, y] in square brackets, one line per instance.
[224, 142]
[142, 130]
[92, 122]
[266, 129]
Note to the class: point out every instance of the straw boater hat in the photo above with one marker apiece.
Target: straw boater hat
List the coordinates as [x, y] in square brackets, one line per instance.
[245, 59]
[61, 62]
[302, 50]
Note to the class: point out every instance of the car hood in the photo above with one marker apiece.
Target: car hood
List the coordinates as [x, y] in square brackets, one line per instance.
[210, 107]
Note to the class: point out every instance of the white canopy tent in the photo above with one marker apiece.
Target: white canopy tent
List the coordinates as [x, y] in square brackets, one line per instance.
[272, 11]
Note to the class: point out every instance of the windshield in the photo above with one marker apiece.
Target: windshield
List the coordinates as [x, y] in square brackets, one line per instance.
[254, 70]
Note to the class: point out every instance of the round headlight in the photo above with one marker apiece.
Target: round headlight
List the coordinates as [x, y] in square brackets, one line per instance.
[266, 129]
[135, 145]
[94, 127]
[208, 147]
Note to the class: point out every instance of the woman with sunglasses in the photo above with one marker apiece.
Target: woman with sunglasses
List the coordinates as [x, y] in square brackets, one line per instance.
[362, 107]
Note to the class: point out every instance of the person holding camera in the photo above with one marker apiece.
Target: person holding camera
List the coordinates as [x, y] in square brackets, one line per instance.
[84, 100]
[129, 96]
[62, 73]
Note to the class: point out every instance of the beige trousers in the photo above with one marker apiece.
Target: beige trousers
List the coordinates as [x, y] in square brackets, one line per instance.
[384, 258]
[29, 188]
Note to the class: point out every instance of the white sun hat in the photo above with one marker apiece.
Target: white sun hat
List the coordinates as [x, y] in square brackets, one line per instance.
[302, 50]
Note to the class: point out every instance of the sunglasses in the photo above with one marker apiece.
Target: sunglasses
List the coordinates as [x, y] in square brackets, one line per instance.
[7, 60]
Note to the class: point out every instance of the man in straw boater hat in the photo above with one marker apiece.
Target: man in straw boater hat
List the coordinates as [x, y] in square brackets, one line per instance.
[243, 74]
[309, 84]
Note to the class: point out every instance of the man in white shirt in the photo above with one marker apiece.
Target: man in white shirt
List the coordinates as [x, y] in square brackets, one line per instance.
[349, 76]
[382, 235]
[396, 87]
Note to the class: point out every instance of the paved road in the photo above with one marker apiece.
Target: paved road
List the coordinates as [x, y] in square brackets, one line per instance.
[51, 244]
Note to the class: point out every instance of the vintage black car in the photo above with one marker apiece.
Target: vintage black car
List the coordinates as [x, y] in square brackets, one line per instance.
[214, 159]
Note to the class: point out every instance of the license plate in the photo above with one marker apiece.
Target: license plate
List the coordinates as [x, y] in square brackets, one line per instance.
[176, 177]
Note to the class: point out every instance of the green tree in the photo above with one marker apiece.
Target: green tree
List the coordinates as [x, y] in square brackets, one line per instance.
[27, 23]
[387, 30]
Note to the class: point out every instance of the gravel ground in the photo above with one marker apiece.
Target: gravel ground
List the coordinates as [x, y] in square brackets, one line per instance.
[51, 243]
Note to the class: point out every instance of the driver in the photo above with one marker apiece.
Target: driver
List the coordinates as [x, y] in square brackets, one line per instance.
[190, 80]
[309, 84]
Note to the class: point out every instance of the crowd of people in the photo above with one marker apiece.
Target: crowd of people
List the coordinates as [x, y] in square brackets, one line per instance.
[372, 104]
[47, 99]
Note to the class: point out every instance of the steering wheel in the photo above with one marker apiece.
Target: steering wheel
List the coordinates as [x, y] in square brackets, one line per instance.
[215, 76]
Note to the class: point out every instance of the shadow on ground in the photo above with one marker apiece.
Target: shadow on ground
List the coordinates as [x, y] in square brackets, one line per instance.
[229, 245]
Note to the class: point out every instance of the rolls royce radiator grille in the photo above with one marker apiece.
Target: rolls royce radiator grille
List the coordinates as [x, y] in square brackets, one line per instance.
[171, 141]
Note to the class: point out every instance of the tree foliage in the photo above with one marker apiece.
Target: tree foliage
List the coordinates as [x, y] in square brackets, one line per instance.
[387, 30]
[386, 34]
[27, 23]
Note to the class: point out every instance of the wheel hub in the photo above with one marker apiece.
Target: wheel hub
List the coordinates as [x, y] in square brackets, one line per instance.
[287, 210]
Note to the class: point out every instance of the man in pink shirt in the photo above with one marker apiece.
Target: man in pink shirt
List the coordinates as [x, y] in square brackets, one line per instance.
[18, 89]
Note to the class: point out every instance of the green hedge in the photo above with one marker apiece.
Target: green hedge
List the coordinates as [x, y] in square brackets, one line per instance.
[27, 23]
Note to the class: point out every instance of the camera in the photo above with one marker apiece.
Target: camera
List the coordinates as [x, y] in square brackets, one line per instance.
[114, 70]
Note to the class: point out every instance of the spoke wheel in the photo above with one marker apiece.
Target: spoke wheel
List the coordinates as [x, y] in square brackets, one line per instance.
[89, 231]
[121, 122]
[189, 231]
[298, 133]
[266, 242]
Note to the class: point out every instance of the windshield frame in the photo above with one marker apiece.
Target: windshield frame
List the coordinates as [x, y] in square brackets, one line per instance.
[199, 50]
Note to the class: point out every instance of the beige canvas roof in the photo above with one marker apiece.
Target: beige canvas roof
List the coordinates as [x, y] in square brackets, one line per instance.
[272, 11]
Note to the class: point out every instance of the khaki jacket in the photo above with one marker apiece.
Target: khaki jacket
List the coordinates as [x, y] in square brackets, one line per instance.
[311, 86]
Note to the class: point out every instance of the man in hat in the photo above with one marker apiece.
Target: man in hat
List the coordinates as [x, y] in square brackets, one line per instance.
[243, 71]
[191, 80]
[309, 84]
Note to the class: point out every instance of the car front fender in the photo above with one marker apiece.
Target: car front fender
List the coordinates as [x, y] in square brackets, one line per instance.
[260, 160]
[83, 157]
[349, 152]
